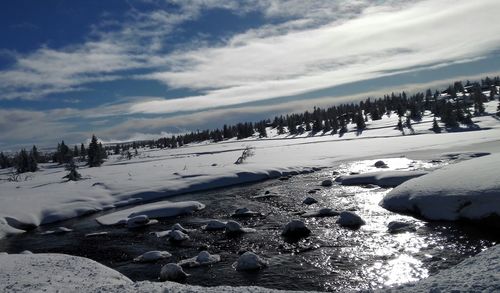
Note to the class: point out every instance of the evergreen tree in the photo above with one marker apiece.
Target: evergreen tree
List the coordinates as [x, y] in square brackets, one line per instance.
[399, 126]
[4, 161]
[360, 123]
[83, 152]
[25, 162]
[73, 175]
[94, 155]
[75, 152]
[435, 126]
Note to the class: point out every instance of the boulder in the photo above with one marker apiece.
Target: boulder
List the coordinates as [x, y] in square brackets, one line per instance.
[296, 229]
[214, 225]
[350, 219]
[399, 227]
[249, 261]
[327, 183]
[309, 201]
[172, 272]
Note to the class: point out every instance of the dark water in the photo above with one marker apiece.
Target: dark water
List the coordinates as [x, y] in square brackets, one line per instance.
[331, 259]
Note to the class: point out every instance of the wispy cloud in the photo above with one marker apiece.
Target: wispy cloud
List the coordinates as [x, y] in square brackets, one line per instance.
[382, 40]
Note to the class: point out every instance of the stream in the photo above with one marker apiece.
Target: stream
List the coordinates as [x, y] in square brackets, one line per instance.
[332, 258]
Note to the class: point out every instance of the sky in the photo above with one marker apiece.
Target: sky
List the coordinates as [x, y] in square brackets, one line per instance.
[136, 69]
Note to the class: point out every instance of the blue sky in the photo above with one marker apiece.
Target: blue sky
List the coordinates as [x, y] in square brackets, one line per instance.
[139, 69]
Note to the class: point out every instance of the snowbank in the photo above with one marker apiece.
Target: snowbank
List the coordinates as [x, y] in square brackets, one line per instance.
[55, 273]
[65, 273]
[466, 190]
[152, 210]
[382, 178]
[476, 274]
[46, 198]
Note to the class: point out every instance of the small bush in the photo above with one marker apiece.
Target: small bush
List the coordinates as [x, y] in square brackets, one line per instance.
[247, 152]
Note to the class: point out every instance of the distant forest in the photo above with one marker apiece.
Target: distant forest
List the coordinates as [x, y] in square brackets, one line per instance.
[453, 106]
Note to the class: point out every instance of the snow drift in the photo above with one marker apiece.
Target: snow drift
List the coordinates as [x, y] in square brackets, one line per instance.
[467, 190]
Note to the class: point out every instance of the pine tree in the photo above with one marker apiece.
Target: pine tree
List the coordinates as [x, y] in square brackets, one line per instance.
[83, 152]
[95, 158]
[435, 126]
[75, 152]
[4, 161]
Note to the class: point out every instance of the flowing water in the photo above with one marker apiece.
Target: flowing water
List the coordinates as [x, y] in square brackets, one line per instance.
[331, 259]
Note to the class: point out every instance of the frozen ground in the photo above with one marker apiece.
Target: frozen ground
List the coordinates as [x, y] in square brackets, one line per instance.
[44, 197]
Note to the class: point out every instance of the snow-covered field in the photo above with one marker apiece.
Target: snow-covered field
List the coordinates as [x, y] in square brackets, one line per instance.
[44, 197]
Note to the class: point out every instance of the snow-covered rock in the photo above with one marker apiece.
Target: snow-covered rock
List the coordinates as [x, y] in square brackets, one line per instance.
[215, 225]
[161, 234]
[58, 230]
[151, 256]
[177, 236]
[466, 190]
[296, 228]
[324, 212]
[179, 227]
[139, 221]
[381, 178]
[249, 261]
[309, 201]
[152, 210]
[25, 252]
[172, 272]
[204, 258]
[350, 219]
[233, 227]
[97, 234]
[327, 183]
[399, 227]
[244, 212]
[380, 164]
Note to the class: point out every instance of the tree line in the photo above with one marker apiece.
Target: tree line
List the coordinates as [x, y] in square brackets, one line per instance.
[455, 105]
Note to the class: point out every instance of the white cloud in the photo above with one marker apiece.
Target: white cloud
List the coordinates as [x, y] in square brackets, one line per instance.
[382, 40]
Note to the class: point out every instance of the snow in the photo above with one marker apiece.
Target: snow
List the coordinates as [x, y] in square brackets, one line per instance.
[324, 212]
[55, 273]
[233, 227]
[214, 225]
[465, 190]
[152, 210]
[381, 178]
[152, 256]
[64, 273]
[178, 236]
[480, 273]
[204, 258]
[46, 198]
